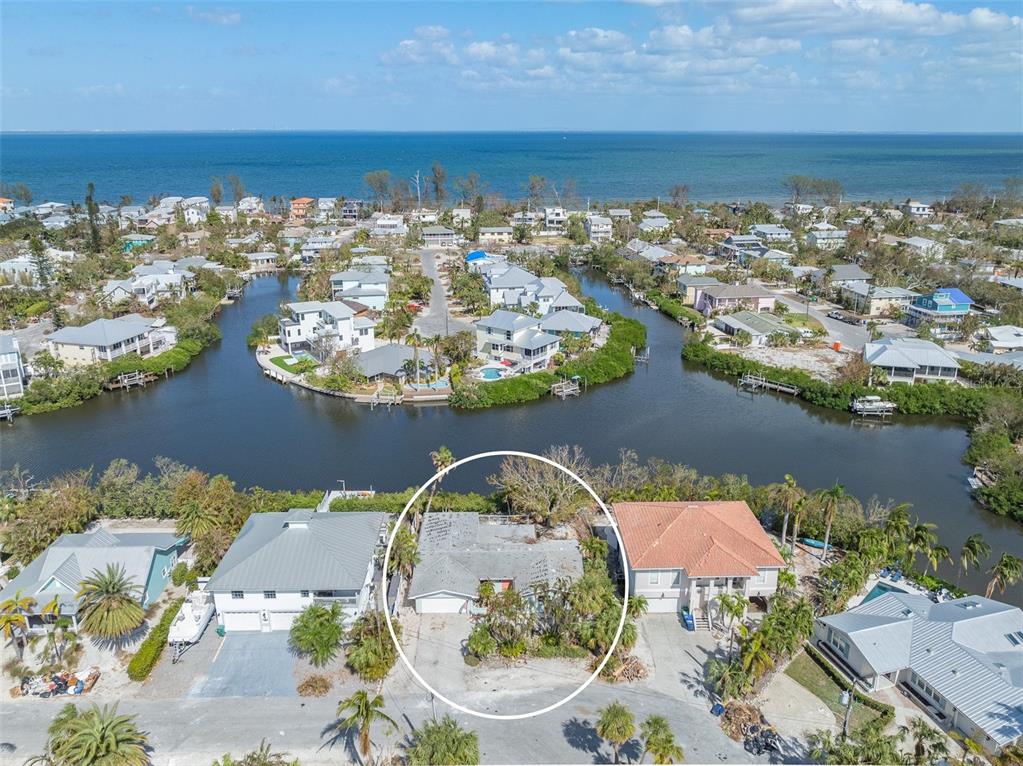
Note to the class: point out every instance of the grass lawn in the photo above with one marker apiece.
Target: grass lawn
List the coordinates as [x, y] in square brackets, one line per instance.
[797, 319]
[294, 369]
[808, 674]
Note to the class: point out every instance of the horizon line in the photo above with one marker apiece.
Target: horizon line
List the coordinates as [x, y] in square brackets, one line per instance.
[564, 131]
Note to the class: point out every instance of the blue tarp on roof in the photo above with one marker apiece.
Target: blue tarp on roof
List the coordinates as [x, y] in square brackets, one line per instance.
[955, 294]
[475, 255]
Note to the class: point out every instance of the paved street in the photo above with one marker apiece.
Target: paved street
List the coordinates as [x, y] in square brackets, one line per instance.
[851, 336]
[434, 319]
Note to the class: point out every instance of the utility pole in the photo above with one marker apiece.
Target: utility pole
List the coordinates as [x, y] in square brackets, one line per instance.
[848, 700]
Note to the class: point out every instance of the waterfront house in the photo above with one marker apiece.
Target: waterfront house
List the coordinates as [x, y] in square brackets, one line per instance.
[461, 216]
[619, 214]
[683, 555]
[864, 298]
[599, 228]
[104, 340]
[516, 341]
[770, 232]
[943, 309]
[12, 370]
[545, 294]
[644, 252]
[317, 247]
[367, 286]
[351, 209]
[555, 218]
[293, 235]
[917, 210]
[689, 284]
[325, 328]
[140, 289]
[283, 562]
[439, 236]
[301, 208]
[325, 207]
[227, 213]
[672, 265]
[1003, 338]
[961, 661]
[459, 551]
[146, 558]
[262, 261]
[654, 223]
[496, 235]
[424, 216]
[827, 240]
[389, 362]
[760, 327]
[504, 281]
[911, 360]
[570, 323]
[798, 208]
[195, 210]
[251, 206]
[526, 218]
[714, 299]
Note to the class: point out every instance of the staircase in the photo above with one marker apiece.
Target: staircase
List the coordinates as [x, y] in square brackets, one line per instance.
[701, 621]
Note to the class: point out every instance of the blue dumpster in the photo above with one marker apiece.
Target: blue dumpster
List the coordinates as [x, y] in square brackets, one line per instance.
[687, 619]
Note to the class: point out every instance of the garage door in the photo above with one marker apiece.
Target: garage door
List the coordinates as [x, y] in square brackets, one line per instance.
[440, 605]
[282, 620]
[234, 621]
[662, 605]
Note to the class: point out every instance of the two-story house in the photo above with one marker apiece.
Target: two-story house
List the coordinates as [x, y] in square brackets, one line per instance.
[324, 328]
[12, 370]
[367, 286]
[713, 299]
[515, 340]
[943, 310]
[104, 340]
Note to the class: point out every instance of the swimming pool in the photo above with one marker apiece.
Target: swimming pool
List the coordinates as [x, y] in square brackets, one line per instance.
[490, 373]
[879, 590]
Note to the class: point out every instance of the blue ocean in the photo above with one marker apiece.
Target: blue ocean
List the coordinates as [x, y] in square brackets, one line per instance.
[600, 166]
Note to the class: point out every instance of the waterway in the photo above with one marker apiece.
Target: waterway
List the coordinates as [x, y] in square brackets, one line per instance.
[224, 416]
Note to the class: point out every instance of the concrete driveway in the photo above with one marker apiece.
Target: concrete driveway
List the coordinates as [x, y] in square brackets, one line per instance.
[250, 665]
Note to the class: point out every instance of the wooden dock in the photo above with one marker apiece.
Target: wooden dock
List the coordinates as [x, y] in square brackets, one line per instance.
[566, 388]
[127, 380]
[757, 383]
[385, 399]
[641, 355]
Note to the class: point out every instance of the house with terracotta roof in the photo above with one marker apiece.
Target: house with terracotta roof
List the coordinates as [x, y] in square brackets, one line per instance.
[685, 554]
[301, 207]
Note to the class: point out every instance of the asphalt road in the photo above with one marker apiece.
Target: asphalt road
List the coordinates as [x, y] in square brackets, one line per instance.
[851, 336]
[434, 319]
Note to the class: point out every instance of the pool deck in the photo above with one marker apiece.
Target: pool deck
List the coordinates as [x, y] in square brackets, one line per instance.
[874, 580]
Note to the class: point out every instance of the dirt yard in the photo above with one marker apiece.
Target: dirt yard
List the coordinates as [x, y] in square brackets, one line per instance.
[820, 362]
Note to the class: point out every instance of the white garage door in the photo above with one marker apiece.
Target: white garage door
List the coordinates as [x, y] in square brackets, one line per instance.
[282, 620]
[440, 605]
[662, 605]
[240, 621]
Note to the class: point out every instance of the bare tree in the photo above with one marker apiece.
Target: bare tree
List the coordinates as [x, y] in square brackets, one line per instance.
[546, 494]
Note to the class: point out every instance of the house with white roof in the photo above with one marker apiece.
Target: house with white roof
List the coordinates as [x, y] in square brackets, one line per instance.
[12, 369]
[1003, 338]
[227, 213]
[459, 551]
[654, 222]
[283, 562]
[367, 286]
[619, 214]
[515, 340]
[439, 236]
[770, 232]
[251, 206]
[388, 225]
[555, 218]
[146, 558]
[915, 209]
[325, 328]
[599, 228]
[872, 300]
[574, 324]
[911, 360]
[827, 240]
[461, 216]
[496, 235]
[961, 661]
[104, 340]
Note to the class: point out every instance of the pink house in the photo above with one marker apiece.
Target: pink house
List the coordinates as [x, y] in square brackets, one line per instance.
[714, 299]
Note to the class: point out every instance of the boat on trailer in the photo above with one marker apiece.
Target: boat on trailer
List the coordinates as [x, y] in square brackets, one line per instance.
[191, 621]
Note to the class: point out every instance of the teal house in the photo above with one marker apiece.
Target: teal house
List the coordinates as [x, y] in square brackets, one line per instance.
[147, 559]
[132, 242]
[943, 309]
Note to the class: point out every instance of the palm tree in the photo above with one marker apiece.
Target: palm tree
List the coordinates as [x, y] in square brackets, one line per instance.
[787, 495]
[360, 712]
[95, 736]
[616, 724]
[404, 551]
[974, 549]
[14, 614]
[108, 603]
[935, 555]
[787, 580]
[797, 517]
[443, 743]
[317, 632]
[896, 527]
[436, 343]
[659, 740]
[1007, 571]
[415, 340]
[755, 656]
[831, 502]
[971, 748]
[637, 607]
[262, 756]
[441, 458]
[928, 743]
[733, 606]
[921, 539]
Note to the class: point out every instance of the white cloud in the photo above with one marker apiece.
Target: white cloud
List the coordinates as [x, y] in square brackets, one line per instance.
[220, 16]
[342, 84]
[430, 45]
[505, 53]
[88, 91]
[596, 39]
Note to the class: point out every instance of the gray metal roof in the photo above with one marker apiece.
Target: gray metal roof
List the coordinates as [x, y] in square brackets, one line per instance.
[459, 550]
[300, 550]
[58, 571]
[104, 332]
[508, 321]
[569, 321]
[389, 359]
[534, 339]
[8, 343]
[907, 353]
[513, 276]
[961, 648]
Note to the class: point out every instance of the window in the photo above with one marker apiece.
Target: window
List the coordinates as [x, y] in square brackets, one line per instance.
[269, 594]
[653, 578]
[305, 594]
[237, 594]
[677, 580]
[761, 578]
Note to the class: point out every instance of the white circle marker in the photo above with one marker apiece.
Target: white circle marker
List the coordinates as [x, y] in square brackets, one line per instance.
[387, 612]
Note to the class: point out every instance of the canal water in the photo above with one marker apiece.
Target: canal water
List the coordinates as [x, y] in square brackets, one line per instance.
[223, 416]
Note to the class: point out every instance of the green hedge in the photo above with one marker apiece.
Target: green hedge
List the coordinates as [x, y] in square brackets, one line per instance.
[675, 308]
[886, 713]
[394, 502]
[146, 657]
[174, 360]
[612, 361]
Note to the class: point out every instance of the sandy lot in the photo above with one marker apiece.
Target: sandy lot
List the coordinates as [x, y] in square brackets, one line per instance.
[821, 363]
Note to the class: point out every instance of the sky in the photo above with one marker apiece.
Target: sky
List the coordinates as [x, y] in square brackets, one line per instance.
[772, 65]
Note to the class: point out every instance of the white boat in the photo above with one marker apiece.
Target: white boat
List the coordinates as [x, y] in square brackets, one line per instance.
[192, 619]
[872, 405]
